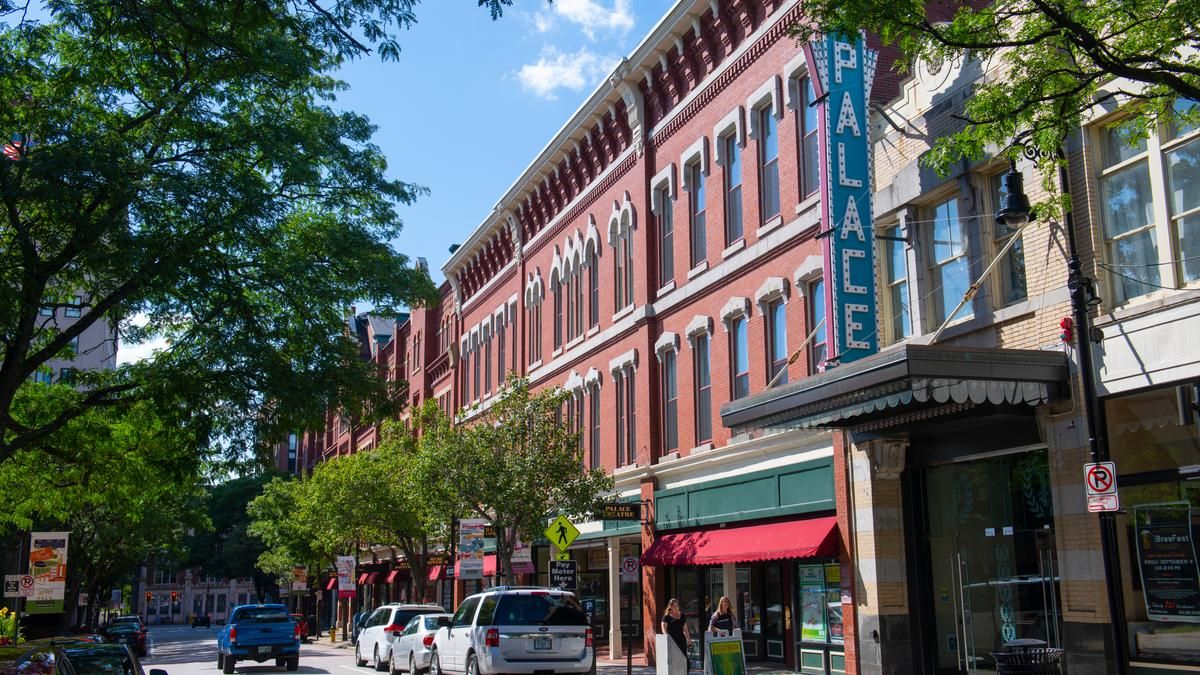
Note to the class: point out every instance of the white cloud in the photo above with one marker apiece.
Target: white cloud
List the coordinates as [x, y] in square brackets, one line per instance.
[558, 70]
[543, 21]
[592, 16]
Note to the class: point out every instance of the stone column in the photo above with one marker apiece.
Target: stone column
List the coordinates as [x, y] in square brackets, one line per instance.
[615, 636]
[881, 593]
[729, 588]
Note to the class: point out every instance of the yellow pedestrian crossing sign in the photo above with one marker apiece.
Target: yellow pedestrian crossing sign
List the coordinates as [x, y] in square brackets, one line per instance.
[561, 533]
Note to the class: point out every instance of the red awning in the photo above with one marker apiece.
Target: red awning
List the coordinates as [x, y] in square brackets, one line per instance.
[362, 578]
[815, 537]
[435, 572]
[489, 567]
[392, 575]
[332, 584]
[373, 577]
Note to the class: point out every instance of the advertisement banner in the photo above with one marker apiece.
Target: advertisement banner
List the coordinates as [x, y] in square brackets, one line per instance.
[299, 578]
[345, 571]
[1168, 561]
[522, 558]
[470, 548]
[48, 565]
[725, 655]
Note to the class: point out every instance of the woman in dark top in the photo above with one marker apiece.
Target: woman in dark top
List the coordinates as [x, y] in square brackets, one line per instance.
[675, 625]
[724, 618]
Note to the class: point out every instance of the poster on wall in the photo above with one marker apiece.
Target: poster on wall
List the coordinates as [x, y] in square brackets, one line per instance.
[48, 567]
[522, 558]
[470, 548]
[1168, 561]
[812, 603]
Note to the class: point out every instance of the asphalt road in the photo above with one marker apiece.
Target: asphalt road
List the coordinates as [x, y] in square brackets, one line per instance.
[181, 650]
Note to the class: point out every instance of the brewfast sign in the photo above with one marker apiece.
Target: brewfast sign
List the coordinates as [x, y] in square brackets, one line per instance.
[844, 69]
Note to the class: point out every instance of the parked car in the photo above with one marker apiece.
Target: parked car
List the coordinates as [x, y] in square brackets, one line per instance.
[374, 638]
[514, 630]
[127, 633]
[77, 657]
[127, 618]
[258, 633]
[201, 620]
[301, 627]
[410, 648]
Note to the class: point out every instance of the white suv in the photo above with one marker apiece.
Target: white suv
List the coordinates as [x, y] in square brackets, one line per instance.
[375, 640]
[514, 630]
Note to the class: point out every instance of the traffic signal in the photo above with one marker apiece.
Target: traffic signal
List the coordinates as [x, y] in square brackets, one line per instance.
[149, 596]
[174, 596]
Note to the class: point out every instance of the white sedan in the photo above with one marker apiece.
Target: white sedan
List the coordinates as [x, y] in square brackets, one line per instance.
[410, 649]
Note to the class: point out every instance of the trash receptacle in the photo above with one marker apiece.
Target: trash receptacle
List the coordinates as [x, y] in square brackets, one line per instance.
[1028, 657]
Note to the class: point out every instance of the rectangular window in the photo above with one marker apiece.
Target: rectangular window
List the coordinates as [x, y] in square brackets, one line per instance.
[666, 237]
[558, 315]
[768, 163]
[733, 189]
[619, 275]
[697, 230]
[950, 269]
[777, 354]
[1010, 270]
[1127, 210]
[476, 373]
[702, 377]
[594, 415]
[537, 331]
[619, 387]
[594, 291]
[670, 393]
[739, 358]
[1183, 175]
[73, 311]
[627, 251]
[806, 120]
[577, 284]
[631, 418]
[818, 349]
[46, 311]
[896, 272]
[487, 364]
[66, 376]
[500, 332]
[43, 375]
[74, 346]
[578, 428]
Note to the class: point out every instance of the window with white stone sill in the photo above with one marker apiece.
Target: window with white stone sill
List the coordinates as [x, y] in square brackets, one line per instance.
[1144, 182]
[897, 312]
[949, 265]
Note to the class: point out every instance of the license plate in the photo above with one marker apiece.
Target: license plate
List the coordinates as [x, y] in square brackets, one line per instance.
[265, 649]
[541, 643]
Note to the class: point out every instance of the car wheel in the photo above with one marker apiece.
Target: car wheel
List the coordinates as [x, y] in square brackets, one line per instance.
[391, 669]
[229, 664]
[358, 659]
[379, 665]
[472, 665]
[412, 665]
[279, 662]
[293, 664]
[435, 664]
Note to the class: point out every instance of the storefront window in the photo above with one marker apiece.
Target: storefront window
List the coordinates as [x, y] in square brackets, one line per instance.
[1154, 440]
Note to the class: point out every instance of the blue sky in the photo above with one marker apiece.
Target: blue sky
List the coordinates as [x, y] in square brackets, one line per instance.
[472, 101]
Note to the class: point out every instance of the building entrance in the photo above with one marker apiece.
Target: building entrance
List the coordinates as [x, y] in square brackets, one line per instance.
[992, 570]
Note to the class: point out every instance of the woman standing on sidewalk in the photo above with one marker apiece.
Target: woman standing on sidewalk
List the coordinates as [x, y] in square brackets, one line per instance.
[674, 625]
[723, 619]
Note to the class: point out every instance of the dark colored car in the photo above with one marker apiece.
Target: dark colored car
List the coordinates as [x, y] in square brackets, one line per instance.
[301, 627]
[127, 633]
[128, 618]
[359, 619]
[201, 620]
[74, 657]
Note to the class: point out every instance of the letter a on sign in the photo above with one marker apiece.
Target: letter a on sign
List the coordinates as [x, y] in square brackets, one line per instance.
[844, 70]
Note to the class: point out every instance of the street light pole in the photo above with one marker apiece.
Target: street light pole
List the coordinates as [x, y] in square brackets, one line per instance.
[1082, 291]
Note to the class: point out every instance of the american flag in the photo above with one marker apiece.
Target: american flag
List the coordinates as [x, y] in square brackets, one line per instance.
[12, 149]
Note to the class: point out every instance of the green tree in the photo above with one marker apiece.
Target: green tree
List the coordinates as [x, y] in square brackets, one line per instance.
[125, 482]
[1057, 59]
[515, 465]
[226, 549]
[190, 179]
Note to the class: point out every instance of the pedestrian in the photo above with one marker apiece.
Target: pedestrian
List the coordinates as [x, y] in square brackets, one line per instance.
[674, 625]
[723, 619]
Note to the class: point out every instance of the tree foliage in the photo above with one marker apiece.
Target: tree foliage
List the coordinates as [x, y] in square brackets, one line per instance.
[225, 548]
[1056, 60]
[190, 178]
[515, 465]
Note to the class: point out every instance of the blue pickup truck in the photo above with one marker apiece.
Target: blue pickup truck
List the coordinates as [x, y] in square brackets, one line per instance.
[258, 633]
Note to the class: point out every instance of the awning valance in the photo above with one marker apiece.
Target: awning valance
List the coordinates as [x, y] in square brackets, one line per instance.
[332, 584]
[392, 576]
[362, 578]
[811, 538]
[489, 566]
[904, 385]
[435, 572]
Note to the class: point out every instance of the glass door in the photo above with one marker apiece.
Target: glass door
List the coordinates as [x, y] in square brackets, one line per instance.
[994, 566]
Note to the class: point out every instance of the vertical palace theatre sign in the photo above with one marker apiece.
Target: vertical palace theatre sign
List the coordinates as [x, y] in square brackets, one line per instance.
[844, 69]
